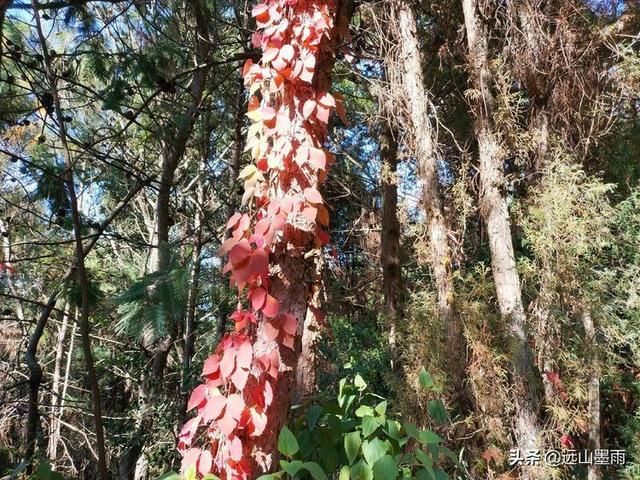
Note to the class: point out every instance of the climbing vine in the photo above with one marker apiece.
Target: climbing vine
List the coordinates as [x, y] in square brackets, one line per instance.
[285, 217]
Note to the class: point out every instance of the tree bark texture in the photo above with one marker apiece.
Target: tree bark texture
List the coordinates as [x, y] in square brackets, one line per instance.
[593, 391]
[494, 210]
[390, 237]
[426, 153]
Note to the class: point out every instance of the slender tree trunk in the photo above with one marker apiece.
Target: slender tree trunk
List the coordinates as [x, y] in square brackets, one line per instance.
[593, 390]
[81, 272]
[390, 238]
[424, 138]
[55, 387]
[494, 210]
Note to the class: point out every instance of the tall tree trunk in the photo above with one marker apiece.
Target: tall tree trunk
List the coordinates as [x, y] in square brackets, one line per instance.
[292, 286]
[593, 390]
[81, 272]
[52, 449]
[390, 238]
[425, 139]
[494, 210]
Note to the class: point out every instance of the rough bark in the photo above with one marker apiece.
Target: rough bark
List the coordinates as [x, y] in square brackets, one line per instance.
[390, 238]
[494, 210]
[292, 285]
[593, 391]
[425, 149]
[307, 365]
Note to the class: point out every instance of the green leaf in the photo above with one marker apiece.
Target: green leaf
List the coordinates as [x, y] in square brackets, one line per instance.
[270, 476]
[169, 476]
[437, 411]
[287, 443]
[313, 416]
[381, 408]
[361, 471]
[393, 430]
[369, 425]
[385, 469]
[425, 380]
[190, 474]
[344, 473]
[427, 436]
[426, 462]
[441, 475]
[291, 467]
[363, 411]
[411, 430]
[359, 382]
[210, 476]
[374, 450]
[352, 442]
[315, 470]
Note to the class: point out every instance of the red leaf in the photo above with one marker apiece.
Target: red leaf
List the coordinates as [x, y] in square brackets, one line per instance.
[318, 158]
[188, 432]
[257, 296]
[308, 108]
[233, 221]
[213, 409]
[198, 397]
[189, 458]
[312, 195]
[211, 365]
[245, 355]
[310, 213]
[290, 324]
[240, 252]
[235, 406]
[239, 378]
[205, 462]
[228, 363]
[271, 307]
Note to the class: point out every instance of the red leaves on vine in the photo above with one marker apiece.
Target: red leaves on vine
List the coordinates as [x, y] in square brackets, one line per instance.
[286, 214]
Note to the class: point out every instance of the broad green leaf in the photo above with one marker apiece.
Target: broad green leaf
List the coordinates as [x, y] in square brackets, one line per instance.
[374, 450]
[363, 411]
[361, 471]
[369, 425]
[352, 442]
[291, 467]
[287, 443]
[437, 411]
[425, 380]
[270, 476]
[411, 430]
[210, 476]
[359, 382]
[393, 430]
[427, 436]
[344, 473]
[385, 469]
[381, 408]
[315, 470]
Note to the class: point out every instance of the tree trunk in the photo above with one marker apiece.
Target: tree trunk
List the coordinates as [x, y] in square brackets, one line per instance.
[56, 398]
[593, 391]
[390, 238]
[307, 365]
[425, 149]
[81, 272]
[494, 210]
